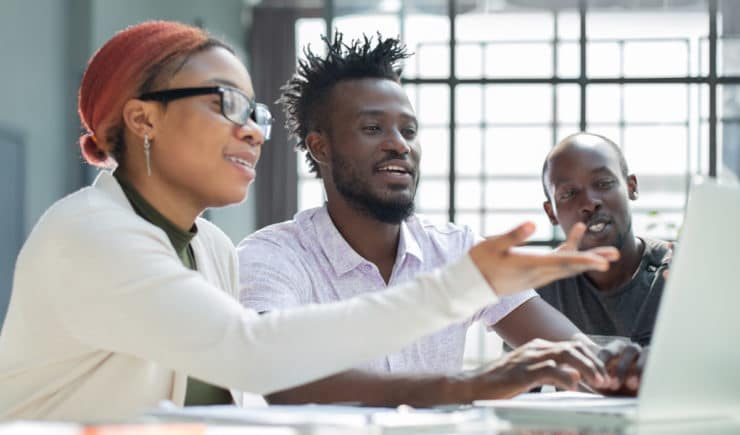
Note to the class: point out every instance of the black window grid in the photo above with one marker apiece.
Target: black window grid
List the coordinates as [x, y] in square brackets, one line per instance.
[711, 79]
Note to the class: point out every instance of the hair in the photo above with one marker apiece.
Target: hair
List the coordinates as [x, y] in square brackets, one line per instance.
[568, 140]
[305, 96]
[136, 60]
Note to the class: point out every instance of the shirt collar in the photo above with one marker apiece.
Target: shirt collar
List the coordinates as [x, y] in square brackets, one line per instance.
[408, 244]
[342, 257]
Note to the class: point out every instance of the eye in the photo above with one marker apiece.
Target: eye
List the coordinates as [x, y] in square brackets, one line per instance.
[228, 104]
[566, 195]
[371, 129]
[409, 132]
[605, 184]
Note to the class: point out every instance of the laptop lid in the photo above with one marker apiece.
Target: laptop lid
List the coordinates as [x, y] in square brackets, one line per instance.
[693, 370]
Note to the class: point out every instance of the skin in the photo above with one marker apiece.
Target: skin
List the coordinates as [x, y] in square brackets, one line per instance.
[373, 124]
[586, 184]
[190, 141]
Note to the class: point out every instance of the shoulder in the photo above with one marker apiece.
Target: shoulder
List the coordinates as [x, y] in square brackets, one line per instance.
[279, 236]
[657, 252]
[553, 290]
[85, 237]
[90, 217]
[448, 236]
[284, 243]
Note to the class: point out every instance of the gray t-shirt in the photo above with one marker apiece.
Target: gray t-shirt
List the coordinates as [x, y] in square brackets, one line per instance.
[627, 312]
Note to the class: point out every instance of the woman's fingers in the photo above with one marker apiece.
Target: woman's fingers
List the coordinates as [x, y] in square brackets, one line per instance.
[574, 238]
[514, 237]
[508, 270]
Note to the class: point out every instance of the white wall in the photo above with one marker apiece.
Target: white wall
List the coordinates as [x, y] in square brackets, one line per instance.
[44, 45]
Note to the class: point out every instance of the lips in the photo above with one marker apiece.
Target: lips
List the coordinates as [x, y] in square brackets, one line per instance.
[597, 224]
[240, 161]
[245, 159]
[244, 162]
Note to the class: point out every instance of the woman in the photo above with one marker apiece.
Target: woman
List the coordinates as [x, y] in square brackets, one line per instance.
[122, 293]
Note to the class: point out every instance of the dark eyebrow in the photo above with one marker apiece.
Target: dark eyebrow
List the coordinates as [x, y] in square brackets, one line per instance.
[383, 113]
[602, 169]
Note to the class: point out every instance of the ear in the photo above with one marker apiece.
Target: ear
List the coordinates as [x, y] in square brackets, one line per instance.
[550, 213]
[632, 187]
[140, 116]
[318, 147]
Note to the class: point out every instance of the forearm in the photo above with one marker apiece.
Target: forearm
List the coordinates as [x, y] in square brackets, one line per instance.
[375, 389]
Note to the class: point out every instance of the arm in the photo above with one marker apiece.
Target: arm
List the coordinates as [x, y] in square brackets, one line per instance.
[535, 318]
[119, 288]
[377, 389]
[563, 364]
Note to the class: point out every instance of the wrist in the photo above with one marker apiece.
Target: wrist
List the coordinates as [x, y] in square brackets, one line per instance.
[459, 388]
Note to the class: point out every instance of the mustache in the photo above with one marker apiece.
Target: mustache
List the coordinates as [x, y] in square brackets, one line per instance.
[597, 218]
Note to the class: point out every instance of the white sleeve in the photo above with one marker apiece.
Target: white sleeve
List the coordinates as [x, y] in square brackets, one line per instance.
[121, 289]
[493, 313]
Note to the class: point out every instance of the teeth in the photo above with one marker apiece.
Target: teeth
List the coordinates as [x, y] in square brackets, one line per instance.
[240, 161]
[392, 169]
[596, 228]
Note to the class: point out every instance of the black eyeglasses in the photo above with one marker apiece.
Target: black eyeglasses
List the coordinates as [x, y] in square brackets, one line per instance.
[235, 105]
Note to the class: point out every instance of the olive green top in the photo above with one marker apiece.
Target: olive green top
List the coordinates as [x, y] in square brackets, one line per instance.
[198, 392]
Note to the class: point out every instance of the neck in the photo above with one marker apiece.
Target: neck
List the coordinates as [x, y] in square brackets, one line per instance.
[375, 241]
[173, 204]
[622, 270]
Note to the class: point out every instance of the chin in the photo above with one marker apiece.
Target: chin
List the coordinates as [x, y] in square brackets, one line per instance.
[229, 197]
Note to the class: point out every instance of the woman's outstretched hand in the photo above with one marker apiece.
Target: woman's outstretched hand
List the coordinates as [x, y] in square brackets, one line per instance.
[509, 271]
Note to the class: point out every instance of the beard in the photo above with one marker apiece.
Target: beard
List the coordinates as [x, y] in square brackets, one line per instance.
[351, 186]
[622, 235]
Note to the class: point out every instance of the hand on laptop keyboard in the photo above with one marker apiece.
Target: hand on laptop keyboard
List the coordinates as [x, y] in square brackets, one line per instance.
[538, 362]
[625, 363]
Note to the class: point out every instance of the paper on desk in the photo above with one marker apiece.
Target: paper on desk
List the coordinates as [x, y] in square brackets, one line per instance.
[319, 415]
[559, 399]
[54, 428]
[39, 428]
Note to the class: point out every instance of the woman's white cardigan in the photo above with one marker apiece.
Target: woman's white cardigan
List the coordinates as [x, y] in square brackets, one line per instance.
[105, 321]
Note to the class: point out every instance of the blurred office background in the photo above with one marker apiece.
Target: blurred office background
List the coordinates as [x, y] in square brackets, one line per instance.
[495, 84]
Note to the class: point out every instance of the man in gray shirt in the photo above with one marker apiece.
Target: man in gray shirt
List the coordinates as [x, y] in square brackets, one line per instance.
[586, 179]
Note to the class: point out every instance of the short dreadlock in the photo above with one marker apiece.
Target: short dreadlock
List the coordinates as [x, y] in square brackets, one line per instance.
[305, 96]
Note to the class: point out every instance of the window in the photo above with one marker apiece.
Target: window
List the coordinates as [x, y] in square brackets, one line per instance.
[495, 86]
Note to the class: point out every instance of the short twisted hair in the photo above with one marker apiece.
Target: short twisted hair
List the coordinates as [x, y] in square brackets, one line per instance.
[305, 96]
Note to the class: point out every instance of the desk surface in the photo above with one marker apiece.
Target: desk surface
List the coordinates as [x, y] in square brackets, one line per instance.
[472, 421]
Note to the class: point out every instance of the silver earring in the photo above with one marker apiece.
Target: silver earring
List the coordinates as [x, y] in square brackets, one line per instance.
[147, 152]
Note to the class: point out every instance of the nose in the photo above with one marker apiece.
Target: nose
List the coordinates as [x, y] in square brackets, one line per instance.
[250, 133]
[395, 142]
[591, 202]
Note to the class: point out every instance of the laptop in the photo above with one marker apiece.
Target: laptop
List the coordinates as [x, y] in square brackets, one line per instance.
[693, 369]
